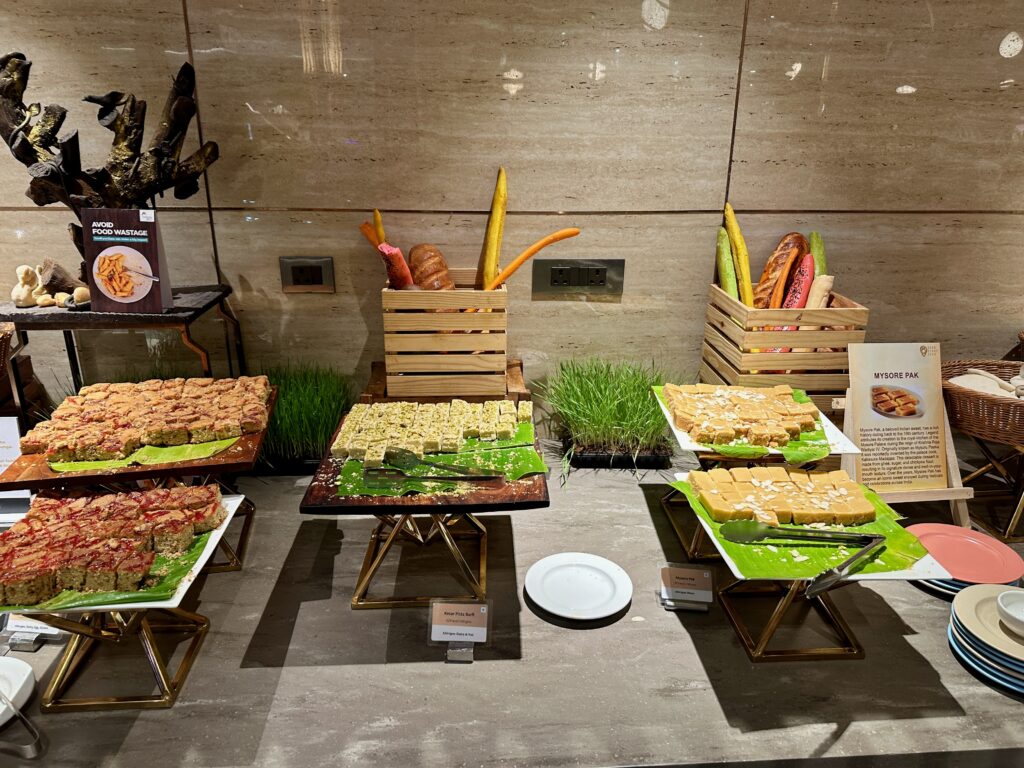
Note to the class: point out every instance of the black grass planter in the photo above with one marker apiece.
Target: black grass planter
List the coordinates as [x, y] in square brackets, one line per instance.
[598, 459]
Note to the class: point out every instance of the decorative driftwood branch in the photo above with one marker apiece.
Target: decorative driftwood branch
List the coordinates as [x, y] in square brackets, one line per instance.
[131, 177]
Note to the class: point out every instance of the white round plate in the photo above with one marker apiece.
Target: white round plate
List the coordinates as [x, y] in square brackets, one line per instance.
[132, 260]
[16, 682]
[576, 585]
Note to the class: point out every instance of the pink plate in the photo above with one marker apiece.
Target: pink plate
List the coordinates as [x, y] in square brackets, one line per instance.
[969, 555]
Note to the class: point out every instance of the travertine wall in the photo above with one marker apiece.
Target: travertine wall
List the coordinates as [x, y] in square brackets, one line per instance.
[894, 129]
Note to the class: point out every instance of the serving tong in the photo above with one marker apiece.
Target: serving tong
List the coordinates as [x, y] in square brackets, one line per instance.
[752, 532]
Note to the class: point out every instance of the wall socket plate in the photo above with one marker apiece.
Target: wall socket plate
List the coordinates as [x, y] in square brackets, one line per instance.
[578, 279]
[307, 274]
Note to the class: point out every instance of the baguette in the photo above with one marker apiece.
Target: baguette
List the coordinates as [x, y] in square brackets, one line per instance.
[771, 288]
[821, 289]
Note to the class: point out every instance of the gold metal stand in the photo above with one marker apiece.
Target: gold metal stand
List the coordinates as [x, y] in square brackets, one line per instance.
[1014, 482]
[691, 541]
[391, 528]
[787, 592]
[116, 627]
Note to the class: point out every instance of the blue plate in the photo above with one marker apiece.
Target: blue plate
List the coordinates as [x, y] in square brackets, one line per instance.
[992, 676]
[965, 584]
[966, 645]
[984, 648]
[935, 589]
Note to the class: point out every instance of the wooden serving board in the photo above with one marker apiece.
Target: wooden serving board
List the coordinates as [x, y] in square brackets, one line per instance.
[321, 497]
[31, 472]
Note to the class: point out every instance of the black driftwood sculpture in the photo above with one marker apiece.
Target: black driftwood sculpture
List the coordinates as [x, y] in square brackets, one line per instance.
[131, 177]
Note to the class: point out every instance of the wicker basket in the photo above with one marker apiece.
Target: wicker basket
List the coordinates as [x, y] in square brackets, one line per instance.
[987, 417]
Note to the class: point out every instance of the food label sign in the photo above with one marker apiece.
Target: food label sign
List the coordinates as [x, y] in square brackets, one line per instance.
[686, 583]
[455, 622]
[898, 415]
[124, 259]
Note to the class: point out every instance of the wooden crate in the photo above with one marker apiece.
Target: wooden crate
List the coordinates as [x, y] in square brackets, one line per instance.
[377, 390]
[431, 353]
[737, 339]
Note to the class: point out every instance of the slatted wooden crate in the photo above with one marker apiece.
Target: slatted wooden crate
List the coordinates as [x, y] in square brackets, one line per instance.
[431, 350]
[737, 340]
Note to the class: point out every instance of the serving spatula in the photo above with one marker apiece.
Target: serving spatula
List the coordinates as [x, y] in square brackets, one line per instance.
[406, 460]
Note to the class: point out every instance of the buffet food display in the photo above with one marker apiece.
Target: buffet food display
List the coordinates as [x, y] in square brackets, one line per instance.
[101, 543]
[763, 416]
[371, 433]
[774, 495]
[111, 421]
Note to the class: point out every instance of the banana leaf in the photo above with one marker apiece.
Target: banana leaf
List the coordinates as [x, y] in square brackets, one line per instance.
[150, 454]
[785, 559]
[812, 446]
[514, 463]
[166, 574]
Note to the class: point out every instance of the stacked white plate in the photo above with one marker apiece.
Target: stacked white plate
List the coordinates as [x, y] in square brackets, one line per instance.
[982, 642]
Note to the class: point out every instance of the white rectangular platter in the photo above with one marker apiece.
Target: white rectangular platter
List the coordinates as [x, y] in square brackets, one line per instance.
[231, 504]
[838, 443]
[925, 568]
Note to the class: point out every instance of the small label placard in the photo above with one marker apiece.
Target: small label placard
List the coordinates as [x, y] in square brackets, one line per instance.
[18, 623]
[454, 622]
[691, 583]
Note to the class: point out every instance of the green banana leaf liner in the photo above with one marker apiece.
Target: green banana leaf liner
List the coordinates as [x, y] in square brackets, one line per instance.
[776, 559]
[150, 454]
[812, 446]
[512, 462]
[166, 573]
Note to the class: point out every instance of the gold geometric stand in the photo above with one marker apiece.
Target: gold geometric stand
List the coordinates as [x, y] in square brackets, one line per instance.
[235, 556]
[787, 591]
[692, 541]
[393, 528]
[116, 627]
